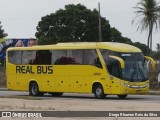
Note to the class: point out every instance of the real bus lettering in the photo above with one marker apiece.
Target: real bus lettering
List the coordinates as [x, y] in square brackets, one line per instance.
[40, 69]
[24, 69]
[50, 70]
[18, 69]
[44, 70]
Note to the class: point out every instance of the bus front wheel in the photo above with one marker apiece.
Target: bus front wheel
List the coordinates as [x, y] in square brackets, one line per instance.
[34, 90]
[98, 91]
[122, 96]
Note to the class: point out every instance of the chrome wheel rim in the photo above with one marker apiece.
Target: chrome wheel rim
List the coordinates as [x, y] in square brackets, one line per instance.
[98, 92]
[34, 89]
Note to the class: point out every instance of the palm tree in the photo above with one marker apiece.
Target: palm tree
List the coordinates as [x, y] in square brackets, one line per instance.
[147, 13]
[158, 46]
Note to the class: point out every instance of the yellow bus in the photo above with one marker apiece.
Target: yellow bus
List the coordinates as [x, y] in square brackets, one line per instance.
[102, 68]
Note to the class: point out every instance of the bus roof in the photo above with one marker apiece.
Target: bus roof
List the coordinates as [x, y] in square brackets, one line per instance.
[114, 46]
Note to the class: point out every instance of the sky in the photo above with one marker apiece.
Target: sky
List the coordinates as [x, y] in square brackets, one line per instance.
[19, 18]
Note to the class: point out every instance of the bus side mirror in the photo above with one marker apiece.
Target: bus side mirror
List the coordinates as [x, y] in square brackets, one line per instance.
[121, 61]
[151, 60]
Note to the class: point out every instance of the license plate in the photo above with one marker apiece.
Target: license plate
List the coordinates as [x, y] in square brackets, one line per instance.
[138, 91]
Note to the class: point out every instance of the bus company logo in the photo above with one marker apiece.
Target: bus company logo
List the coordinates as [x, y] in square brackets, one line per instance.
[6, 114]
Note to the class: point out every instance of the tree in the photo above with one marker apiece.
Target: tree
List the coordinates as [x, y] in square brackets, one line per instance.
[2, 34]
[156, 55]
[116, 36]
[158, 46]
[74, 23]
[147, 12]
[141, 46]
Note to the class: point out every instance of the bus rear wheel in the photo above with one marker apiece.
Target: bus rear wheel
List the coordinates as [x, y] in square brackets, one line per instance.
[122, 96]
[56, 94]
[98, 91]
[34, 90]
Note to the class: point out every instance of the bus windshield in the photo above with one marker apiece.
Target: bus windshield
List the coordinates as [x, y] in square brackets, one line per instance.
[135, 69]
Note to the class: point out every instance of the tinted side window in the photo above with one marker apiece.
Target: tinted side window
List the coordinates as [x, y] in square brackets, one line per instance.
[75, 56]
[42, 57]
[59, 57]
[36, 57]
[80, 57]
[90, 57]
[111, 64]
[106, 53]
[14, 57]
[28, 57]
[114, 68]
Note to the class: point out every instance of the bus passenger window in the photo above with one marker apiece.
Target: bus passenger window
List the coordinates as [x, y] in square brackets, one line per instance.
[28, 56]
[90, 57]
[59, 57]
[14, 57]
[42, 57]
[61, 61]
[75, 56]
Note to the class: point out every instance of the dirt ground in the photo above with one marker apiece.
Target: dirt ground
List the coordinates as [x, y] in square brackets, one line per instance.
[68, 104]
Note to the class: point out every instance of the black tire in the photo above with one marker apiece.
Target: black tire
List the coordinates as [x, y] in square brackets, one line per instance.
[98, 92]
[122, 96]
[34, 90]
[56, 94]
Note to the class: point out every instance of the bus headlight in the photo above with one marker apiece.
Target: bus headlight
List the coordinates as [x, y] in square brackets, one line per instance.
[124, 84]
[135, 86]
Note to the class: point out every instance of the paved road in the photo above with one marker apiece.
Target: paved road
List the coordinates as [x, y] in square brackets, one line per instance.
[79, 102]
[19, 94]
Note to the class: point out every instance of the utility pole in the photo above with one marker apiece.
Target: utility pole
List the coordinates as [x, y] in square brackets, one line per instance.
[99, 15]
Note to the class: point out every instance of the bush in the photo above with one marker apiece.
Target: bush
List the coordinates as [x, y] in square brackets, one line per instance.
[153, 77]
